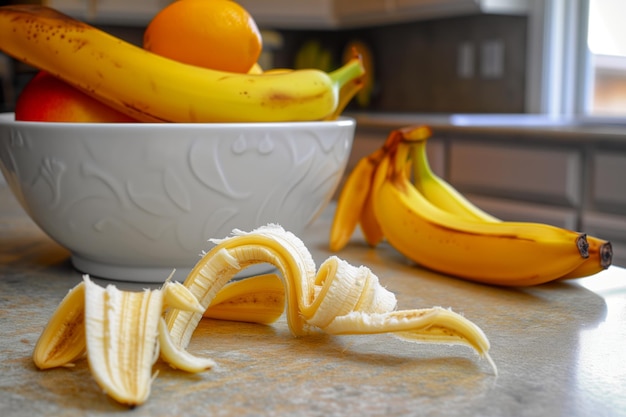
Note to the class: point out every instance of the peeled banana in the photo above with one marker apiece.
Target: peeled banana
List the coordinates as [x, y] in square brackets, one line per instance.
[152, 88]
[122, 333]
[430, 222]
[338, 299]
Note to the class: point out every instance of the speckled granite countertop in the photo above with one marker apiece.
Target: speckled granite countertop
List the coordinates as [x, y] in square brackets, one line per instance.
[559, 348]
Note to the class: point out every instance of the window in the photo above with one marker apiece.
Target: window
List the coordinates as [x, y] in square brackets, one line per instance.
[577, 59]
[606, 40]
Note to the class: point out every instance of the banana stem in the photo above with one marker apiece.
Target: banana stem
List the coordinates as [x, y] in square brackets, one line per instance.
[346, 93]
[606, 255]
[350, 71]
[583, 245]
[348, 80]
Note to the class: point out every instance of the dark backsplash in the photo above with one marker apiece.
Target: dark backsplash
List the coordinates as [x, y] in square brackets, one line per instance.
[417, 64]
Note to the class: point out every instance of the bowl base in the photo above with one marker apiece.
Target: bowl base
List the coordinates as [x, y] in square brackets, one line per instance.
[149, 274]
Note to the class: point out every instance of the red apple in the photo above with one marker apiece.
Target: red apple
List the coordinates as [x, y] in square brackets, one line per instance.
[48, 99]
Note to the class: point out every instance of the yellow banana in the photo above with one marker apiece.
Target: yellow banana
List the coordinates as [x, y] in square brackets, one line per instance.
[434, 188]
[152, 88]
[372, 232]
[63, 340]
[451, 218]
[600, 258]
[257, 299]
[339, 298]
[350, 203]
[502, 253]
[354, 205]
[443, 195]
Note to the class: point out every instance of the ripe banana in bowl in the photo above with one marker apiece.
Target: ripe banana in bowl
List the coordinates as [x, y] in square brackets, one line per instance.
[430, 222]
[152, 88]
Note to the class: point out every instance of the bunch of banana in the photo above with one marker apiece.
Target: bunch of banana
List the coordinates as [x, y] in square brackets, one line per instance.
[152, 88]
[121, 332]
[431, 223]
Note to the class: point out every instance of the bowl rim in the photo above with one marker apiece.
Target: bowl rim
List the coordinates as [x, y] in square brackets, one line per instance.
[8, 119]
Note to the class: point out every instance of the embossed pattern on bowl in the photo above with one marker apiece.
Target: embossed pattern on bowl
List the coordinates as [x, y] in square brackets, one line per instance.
[131, 201]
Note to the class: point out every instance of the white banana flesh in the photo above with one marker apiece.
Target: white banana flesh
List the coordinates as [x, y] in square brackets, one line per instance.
[338, 299]
[120, 332]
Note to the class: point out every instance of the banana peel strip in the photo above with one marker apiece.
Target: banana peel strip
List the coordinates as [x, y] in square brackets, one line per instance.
[338, 299]
[122, 333]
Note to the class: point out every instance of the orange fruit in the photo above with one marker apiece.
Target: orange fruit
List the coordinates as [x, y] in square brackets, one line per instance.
[216, 34]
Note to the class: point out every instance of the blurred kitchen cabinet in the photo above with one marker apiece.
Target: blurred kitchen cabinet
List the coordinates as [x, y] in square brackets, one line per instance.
[535, 174]
[605, 215]
[335, 14]
[298, 14]
[519, 181]
[608, 189]
[124, 11]
[116, 12]
[76, 8]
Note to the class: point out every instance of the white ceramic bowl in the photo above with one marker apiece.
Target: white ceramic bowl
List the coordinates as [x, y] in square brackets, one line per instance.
[133, 202]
